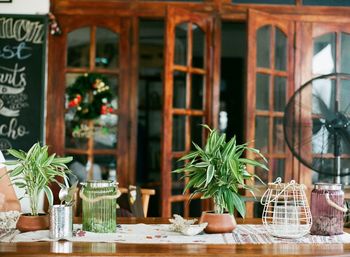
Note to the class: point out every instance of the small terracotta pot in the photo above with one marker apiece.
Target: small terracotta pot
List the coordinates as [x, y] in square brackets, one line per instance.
[218, 223]
[27, 222]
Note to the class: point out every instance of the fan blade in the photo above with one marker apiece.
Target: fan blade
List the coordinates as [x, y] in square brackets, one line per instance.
[328, 114]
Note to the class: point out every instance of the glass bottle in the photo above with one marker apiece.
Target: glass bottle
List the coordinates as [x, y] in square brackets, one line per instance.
[327, 209]
[99, 206]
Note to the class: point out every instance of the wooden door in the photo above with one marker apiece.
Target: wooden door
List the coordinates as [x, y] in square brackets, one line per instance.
[269, 85]
[91, 44]
[187, 97]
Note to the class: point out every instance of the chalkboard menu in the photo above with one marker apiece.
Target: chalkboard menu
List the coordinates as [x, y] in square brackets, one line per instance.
[22, 80]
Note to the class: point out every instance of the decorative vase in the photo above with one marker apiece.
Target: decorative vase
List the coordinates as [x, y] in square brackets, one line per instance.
[218, 223]
[26, 222]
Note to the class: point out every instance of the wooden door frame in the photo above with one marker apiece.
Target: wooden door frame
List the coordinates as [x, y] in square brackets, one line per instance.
[55, 124]
[177, 16]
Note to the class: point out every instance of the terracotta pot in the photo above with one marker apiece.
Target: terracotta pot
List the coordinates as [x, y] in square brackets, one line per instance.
[218, 223]
[27, 222]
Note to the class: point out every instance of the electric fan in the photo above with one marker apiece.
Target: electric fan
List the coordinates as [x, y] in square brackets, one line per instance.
[316, 124]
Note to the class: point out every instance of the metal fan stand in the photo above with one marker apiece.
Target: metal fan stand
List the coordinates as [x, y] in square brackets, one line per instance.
[334, 127]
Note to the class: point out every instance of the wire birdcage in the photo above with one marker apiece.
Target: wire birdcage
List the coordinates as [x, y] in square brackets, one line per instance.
[286, 211]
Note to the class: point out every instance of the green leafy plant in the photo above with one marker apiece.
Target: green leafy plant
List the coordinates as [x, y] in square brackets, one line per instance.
[35, 170]
[218, 171]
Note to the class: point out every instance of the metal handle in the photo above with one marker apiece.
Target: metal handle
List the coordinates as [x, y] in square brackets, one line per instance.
[334, 205]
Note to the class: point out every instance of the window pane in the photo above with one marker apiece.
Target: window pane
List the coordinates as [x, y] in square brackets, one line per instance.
[179, 133]
[107, 45]
[344, 103]
[262, 91]
[197, 92]
[323, 61]
[345, 53]
[261, 133]
[327, 2]
[277, 168]
[105, 131]
[198, 46]
[278, 136]
[178, 184]
[279, 93]
[280, 51]
[196, 131]
[181, 44]
[281, 2]
[263, 47]
[78, 53]
[179, 97]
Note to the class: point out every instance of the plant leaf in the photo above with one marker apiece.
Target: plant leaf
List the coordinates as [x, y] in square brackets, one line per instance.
[239, 204]
[49, 195]
[210, 174]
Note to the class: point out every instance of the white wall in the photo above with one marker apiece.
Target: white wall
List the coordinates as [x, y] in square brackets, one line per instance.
[25, 7]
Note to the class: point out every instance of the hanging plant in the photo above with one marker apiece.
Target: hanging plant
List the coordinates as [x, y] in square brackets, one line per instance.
[90, 96]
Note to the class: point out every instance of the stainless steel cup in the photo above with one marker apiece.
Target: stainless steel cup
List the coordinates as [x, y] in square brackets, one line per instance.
[61, 222]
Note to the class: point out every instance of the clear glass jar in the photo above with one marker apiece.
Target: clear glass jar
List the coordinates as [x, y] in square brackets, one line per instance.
[327, 209]
[99, 206]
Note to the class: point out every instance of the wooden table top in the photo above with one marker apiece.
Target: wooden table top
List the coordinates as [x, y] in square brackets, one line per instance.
[64, 248]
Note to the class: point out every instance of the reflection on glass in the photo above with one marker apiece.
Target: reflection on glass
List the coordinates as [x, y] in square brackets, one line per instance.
[78, 167]
[105, 126]
[105, 167]
[280, 51]
[263, 47]
[323, 91]
[105, 131]
[261, 133]
[279, 94]
[198, 46]
[179, 133]
[345, 53]
[72, 138]
[262, 91]
[197, 92]
[107, 45]
[323, 61]
[344, 103]
[179, 96]
[277, 166]
[278, 136]
[196, 131]
[78, 52]
[181, 44]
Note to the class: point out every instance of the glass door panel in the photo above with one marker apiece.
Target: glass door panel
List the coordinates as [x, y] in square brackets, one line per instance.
[186, 93]
[93, 58]
[270, 75]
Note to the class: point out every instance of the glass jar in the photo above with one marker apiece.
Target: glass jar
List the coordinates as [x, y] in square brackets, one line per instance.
[327, 209]
[99, 205]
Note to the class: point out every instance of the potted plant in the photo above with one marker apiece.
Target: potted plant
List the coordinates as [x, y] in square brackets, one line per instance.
[218, 171]
[34, 171]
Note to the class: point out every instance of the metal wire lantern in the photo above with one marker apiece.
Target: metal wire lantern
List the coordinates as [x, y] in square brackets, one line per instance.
[286, 211]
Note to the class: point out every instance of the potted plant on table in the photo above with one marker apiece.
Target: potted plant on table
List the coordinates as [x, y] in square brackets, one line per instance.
[218, 171]
[34, 171]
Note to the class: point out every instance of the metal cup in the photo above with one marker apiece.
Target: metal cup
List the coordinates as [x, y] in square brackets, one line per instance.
[61, 222]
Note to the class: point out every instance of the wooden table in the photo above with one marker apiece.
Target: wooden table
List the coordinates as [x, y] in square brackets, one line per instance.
[63, 248]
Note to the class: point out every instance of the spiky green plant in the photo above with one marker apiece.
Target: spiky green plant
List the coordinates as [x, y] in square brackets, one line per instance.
[35, 170]
[218, 171]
